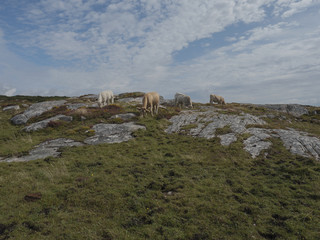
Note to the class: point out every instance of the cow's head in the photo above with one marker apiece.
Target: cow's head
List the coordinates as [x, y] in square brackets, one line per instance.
[143, 110]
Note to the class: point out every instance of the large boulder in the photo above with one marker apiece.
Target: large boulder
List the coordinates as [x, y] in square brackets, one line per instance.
[35, 110]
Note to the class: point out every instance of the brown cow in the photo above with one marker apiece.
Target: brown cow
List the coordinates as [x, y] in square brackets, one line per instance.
[150, 101]
[216, 99]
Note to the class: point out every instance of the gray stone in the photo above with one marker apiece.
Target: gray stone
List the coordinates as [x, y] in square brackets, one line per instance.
[94, 105]
[14, 107]
[44, 150]
[75, 106]
[300, 143]
[112, 133]
[131, 100]
[227, 139]
[43, 124]
[35, 110]
[296, 142]
[167, 102]
[255, 144]
[207, 121]
[293, 109]
[124, 116]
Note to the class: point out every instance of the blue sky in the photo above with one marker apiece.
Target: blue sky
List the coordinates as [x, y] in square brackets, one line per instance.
[261, 51]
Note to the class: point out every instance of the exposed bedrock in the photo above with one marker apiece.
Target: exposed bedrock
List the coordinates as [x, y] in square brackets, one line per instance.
[205, 124]
[35, 110]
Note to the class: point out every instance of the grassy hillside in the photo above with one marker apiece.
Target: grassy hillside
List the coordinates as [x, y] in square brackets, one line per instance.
[157, 186]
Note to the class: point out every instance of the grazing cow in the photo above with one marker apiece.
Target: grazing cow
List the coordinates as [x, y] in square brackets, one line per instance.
[216, 99]
[182, 100]
[150, 100]
[105, 98]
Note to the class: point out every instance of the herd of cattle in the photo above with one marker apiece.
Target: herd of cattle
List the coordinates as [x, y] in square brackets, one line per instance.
[151, 101]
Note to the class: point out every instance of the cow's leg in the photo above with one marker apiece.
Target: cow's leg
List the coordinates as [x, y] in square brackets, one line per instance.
[157, 107]
[151, 109]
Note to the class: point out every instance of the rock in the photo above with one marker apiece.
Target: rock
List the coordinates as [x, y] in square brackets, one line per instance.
[205, 125]
[45, 149]
[300, 143]
[112, 133]
[207, 122]
[75, 106]
[8, 108]
[124, 116]
[19, 119]
[293, 109]
[255, 144]
[94, 105]
[227, 139]
[43, 124]
[167, 102]
[131, 100]
[35, 110]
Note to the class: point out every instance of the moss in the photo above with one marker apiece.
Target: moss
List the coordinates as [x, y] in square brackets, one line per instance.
[131, 95]
[224, 130]
[188, 127]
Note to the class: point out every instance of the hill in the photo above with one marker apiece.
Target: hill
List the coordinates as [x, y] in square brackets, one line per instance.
[70, 170]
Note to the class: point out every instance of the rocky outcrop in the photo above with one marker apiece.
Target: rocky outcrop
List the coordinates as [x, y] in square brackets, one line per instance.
[300, 143]
[205, 124]
[113, 133]
[104, 133]
[44, 150]
[35, 110]
[43, 124]
[293, 109]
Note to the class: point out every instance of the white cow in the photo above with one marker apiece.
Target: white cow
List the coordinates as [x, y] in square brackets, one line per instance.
[217, 99]
[181, 100]
[105, 98]
[150, 100]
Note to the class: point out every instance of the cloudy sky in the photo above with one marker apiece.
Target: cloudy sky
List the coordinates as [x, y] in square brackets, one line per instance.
[261, 51]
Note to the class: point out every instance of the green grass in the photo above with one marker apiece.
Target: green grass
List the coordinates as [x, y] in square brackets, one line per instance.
[157, 186]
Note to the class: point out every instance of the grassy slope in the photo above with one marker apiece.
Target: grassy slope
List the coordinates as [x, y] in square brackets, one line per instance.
[157, 186]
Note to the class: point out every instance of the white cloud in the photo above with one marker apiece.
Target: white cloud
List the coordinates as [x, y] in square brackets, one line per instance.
[287, 8]
[137, 30]
[286, 68]
[128, 45]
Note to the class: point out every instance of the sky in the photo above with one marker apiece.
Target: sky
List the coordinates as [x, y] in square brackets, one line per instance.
[248, 51]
